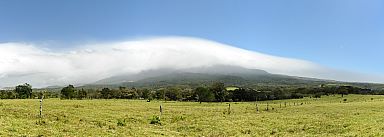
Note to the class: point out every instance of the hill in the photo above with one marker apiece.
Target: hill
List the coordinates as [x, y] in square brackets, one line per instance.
[230, 75]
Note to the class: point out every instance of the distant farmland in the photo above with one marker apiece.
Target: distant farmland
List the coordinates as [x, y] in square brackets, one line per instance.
[231, 88]
[353, 115]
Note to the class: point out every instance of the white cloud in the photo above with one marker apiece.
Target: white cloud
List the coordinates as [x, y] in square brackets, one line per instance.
[20, 63]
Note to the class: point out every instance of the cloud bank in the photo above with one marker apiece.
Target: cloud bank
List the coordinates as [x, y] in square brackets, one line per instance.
[20, 62]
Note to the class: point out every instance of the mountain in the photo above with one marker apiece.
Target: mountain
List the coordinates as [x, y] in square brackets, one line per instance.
[226, 70]
[134, 77]
[190, 72]
[230, 75]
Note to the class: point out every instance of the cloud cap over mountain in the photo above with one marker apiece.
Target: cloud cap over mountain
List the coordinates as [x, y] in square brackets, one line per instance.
[41, 67]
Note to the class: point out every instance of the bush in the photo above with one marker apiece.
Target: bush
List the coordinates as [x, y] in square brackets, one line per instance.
[317, 95]
[155, 120]
[121, 122]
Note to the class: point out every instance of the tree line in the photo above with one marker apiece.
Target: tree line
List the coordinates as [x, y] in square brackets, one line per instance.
[216, 92]
[25, 91]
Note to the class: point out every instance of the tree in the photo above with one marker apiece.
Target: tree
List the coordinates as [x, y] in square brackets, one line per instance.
[11, 95]
[81, 94]
[160, 94]
[343, 90]
[204, 94]
[146, 94]
[24, 91]
[7, 94]
[68, 92]
[106, 93]
[114, 93]
[219, 90]
[173, 93]
[188, 94]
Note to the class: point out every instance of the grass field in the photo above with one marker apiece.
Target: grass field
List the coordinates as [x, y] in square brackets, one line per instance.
[359, 115]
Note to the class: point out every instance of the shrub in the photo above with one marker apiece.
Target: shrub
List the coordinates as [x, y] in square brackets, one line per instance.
[317, 95]
[121, 122]
[155, 120]
[40, 122]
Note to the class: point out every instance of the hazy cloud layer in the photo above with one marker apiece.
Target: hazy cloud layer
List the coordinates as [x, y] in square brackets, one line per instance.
[20, 63]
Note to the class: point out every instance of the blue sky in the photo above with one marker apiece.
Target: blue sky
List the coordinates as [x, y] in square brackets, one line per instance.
[342, 34]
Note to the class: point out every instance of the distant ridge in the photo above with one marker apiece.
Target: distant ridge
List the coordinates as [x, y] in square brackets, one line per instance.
[231, 75]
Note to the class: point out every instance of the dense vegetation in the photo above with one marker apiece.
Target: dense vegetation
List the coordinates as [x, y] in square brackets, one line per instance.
[215, 92]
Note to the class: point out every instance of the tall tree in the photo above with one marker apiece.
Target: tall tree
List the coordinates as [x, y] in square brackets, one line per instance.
[68, 92]
[106, 93]
[219, 90]
[24, 91]
[81, 94]
[204, 94]
[173, 93]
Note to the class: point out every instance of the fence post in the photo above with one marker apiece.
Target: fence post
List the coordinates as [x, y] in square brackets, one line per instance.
[257, 108]
[41, 106]
[161, 112]
[229, 108]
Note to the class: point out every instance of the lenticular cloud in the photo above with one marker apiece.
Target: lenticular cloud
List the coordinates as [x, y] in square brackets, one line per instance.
[20, 63]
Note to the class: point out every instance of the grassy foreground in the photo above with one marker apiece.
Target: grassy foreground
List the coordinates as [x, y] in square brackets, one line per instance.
[359, 115]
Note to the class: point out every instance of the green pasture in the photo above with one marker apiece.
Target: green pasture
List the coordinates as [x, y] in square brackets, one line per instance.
[352, 115]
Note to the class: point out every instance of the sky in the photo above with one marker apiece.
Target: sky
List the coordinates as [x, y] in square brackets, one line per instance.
[345, 35]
